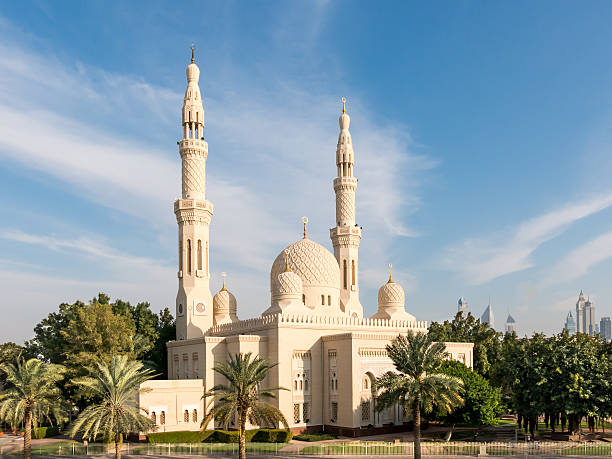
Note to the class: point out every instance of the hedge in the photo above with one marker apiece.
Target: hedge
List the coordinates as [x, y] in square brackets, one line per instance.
[45, 432]
[182, 436]
[220, 436]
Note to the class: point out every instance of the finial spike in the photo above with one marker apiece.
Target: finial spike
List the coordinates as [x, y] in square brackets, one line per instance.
[305, 221]
[390, 269]
[344, 105]
[223, 276]
[287, 261]
[193, 48]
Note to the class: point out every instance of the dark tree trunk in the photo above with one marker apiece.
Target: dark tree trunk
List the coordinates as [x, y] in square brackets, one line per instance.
[118, 445]
[27, 437]
[546, 418]
[563, 421]
[417, 429]
[242, 435]
[519, 419]
[532, 424]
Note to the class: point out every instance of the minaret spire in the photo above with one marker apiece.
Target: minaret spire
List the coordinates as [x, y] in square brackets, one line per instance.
[346, 235]
[194, 306]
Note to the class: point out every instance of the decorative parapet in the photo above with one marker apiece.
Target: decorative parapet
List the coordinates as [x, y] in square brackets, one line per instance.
[344, 323]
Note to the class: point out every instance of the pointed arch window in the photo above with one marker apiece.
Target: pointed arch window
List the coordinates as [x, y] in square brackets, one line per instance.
[322, 300]
[207, 258]
[353, 272]
[189, 256]
[345, 275]
[200, 256]
[181, 267]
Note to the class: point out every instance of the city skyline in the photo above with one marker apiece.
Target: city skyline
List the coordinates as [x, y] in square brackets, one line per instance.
[472, 175]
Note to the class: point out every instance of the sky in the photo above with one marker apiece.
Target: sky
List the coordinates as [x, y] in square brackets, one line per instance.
[482, 135]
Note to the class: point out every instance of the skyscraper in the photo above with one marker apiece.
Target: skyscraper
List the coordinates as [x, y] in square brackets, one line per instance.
[462, 305]
[510, 324]
[605, 328]
[570, 324]
[585, 315]
[487, 316]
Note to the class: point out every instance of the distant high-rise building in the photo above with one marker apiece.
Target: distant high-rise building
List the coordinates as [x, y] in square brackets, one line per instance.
[570, 324]
[510, 324]
[585, 315]
[487, 316]
[605, 328]
[462, 305]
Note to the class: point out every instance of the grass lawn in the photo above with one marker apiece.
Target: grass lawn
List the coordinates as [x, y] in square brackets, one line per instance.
[206, 447]
[315, 437]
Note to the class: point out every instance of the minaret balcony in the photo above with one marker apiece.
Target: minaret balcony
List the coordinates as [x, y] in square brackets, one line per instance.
[181, 204]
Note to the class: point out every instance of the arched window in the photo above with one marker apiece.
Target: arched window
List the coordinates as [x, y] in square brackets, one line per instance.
[181, 267]
[295, 384]
[328, 300]
[162, 418]
[189, 256]
[186, 416]
[305, 384]
[301, 387]
[200, 256]
[322, 300]
[353, 271]
[206, 258]
[194, 417]
[303, 298]
[345, 274]
[153, 417]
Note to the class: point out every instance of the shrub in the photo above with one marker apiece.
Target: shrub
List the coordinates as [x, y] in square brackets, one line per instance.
[220, 436]
[316, 437]
[272, 436]
[45, 432]
[182, 436]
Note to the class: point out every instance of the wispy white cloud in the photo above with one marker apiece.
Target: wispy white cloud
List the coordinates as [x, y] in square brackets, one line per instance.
[481, 260]
[580, 260]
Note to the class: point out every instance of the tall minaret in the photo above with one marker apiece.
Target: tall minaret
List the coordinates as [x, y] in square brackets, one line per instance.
[346, 235]
[194, 305]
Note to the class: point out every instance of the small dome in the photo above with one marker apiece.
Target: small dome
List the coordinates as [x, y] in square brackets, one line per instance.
[391, 294]
[287, 283]
[193, 73]
[313, 263]
[224, 303]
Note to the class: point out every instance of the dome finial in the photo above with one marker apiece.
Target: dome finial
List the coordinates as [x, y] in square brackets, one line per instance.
[305, 222]
[287, 261]
[223, 289]
[390, 278]
[344, 105]
[193, 48]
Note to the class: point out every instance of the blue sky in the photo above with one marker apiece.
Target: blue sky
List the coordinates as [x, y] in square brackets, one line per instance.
[482, 133]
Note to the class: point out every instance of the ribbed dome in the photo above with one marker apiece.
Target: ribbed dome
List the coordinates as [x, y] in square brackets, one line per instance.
[224, 302]
[391, 294]
[312, 262]
[287, 283]
[193, 72]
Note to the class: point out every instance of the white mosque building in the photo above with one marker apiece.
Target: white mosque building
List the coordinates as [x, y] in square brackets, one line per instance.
[328, 353]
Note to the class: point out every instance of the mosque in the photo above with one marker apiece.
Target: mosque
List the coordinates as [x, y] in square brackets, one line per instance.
[328, 353]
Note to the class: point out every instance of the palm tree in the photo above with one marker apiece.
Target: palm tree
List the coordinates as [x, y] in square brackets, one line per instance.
[116, 412]
[418, 386]
[32, 396]
[242, 398]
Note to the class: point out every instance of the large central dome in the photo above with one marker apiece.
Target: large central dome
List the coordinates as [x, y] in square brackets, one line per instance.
[317, 268]
[311, 261]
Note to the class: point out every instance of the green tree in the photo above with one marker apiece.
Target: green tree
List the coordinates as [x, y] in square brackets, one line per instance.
[32, 396]
[419, 386]
[482, 401]
[150, 332]
[243, 399]
[464, 328]
[8, 354]
[117, 412]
